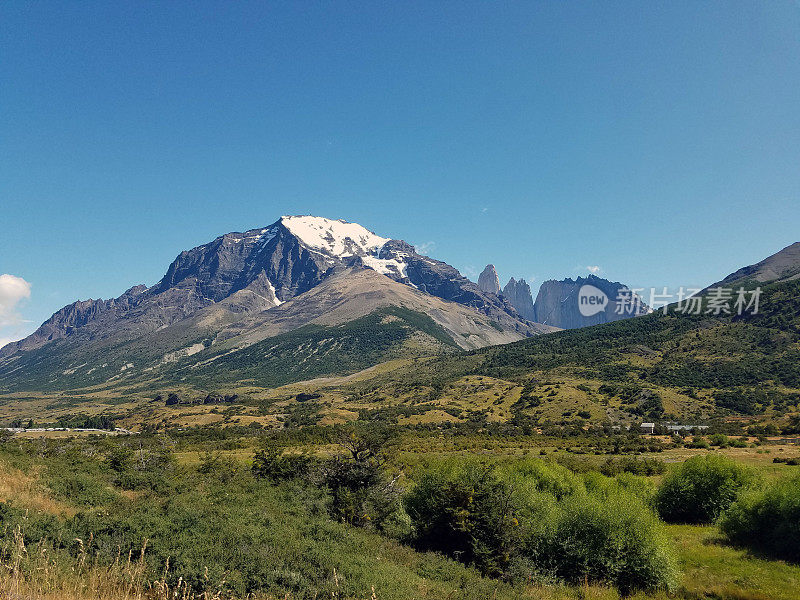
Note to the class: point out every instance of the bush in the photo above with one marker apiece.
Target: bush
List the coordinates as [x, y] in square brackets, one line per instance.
[700, 489]
[610, 538]
[719, 439]
[633, 465]
[767, 520]
[466, 512]
[698, 443]
[552, 478]
[271, 463]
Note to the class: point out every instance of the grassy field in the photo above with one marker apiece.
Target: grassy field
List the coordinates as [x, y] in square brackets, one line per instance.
[196, 502]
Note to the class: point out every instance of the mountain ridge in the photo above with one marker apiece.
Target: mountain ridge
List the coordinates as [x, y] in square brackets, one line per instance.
[784, 265]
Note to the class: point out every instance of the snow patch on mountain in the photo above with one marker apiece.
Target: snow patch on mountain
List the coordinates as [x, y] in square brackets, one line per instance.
[278, 301]
[386, 266]
[338, 238]
[264, 236]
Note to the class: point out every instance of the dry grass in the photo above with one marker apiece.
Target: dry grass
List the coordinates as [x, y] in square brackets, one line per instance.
[25, 490]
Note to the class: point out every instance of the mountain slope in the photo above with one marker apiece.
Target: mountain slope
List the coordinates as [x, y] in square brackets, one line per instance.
[657, 366]
[345, 297]
[356, 292]
[781, 266]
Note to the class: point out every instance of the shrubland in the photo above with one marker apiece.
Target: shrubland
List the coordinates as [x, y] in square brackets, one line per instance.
[414, 512]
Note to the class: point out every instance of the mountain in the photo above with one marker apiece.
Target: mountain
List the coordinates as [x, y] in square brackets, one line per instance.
[518, 293]
[243, 288]
[488, 280]
[584, 301]
[781, 266]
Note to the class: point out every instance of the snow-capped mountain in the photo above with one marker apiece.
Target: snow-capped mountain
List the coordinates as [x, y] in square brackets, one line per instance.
[257, 280]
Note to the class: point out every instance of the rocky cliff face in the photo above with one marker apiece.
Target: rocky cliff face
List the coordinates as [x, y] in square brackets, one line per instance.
[402, 263]
[570, 304]
[518, 293]
[488, 280]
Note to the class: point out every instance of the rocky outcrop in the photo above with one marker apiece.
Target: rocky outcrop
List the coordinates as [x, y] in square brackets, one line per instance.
[488, 280]
[518, 293]
[585, 301]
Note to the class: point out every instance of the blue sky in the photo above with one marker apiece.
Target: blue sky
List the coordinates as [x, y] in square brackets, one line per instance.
[657, 141]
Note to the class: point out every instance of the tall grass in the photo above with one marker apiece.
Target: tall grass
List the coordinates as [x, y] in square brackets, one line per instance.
[37, 573]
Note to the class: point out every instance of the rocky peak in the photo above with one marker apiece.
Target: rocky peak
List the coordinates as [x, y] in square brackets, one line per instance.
[584, 301]
[488, 280]
[518, 293]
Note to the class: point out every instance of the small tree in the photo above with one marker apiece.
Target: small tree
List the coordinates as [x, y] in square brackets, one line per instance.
[361, 493]
[465, 512]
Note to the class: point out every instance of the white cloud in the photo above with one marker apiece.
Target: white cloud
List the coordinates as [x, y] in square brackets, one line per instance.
[470, 272]
[425, 248]
[594, 269]
[12, 291]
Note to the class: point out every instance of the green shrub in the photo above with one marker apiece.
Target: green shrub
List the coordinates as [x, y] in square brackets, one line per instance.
[544, 476]
[767, 520]
[633, 465]
[271, 463]
[464, 511]
[700, 489]
[698, 443]
[637, 485]
[611, 538]
[534, 519]
[719, 439]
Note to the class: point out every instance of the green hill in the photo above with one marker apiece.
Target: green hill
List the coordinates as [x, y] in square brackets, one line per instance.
[656, 366]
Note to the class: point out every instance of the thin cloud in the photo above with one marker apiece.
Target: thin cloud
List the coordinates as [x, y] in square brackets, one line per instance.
[426, 247]
[594, 269]
[470, 272]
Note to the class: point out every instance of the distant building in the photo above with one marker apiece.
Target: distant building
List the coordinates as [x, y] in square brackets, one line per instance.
[678, 428]
[670, 427]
